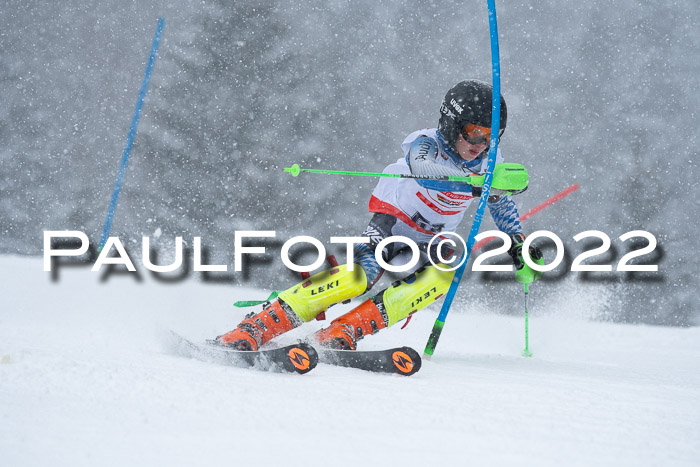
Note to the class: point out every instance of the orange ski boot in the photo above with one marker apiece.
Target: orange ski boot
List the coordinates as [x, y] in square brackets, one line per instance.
[344, 332]
[257, 329]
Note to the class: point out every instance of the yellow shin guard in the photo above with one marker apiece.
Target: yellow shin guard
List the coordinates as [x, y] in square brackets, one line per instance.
[416, 292]
[318, 292]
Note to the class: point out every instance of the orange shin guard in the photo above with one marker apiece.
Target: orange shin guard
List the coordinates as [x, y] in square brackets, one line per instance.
[253, 332]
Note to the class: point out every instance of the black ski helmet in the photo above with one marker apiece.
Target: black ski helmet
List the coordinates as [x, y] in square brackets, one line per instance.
[468, 102]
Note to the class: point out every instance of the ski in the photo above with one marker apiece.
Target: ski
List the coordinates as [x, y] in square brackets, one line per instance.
[298, 358]
[401, 360]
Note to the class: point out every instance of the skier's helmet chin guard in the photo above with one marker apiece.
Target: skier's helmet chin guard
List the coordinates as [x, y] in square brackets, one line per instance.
[468, 103]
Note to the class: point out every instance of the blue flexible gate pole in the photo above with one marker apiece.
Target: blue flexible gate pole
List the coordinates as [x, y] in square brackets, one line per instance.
[132, 134]
[493, 148]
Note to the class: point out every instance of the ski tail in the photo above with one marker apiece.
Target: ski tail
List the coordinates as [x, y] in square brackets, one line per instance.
[297, 358]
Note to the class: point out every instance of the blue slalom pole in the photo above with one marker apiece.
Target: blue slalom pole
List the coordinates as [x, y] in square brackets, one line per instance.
[493, 148]
[132, 134]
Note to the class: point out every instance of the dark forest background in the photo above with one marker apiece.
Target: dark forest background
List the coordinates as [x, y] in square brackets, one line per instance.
[600, 94]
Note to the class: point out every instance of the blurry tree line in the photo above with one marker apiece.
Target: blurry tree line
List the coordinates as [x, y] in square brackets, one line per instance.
[241, 90]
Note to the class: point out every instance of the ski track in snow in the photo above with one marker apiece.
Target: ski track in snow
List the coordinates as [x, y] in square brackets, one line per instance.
[87, 379]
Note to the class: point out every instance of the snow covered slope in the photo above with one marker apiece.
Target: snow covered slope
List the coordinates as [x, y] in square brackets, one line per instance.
[86, 379]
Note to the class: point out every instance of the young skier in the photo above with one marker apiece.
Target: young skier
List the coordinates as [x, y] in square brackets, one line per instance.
[414, 208]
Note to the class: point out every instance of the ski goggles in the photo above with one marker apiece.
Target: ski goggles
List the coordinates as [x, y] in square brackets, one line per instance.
[475, 134]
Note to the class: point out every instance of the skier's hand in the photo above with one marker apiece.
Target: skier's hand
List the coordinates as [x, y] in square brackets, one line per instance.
[524, 273]
[493, 194]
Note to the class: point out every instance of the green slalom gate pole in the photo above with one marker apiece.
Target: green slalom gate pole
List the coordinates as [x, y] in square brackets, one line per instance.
[495, 124]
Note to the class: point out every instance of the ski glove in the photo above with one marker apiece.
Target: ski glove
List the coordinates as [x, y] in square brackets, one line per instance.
[493, 197]
[524, 273]
[495, 194]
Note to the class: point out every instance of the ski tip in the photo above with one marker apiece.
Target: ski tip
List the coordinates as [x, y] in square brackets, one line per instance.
[302, 358]
[406, 361]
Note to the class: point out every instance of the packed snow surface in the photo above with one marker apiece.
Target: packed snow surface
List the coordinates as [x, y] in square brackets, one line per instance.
[87, 379]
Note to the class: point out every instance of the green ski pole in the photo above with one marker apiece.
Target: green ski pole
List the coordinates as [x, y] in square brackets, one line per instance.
[295, 170]
[509, 178]
[526, 351]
